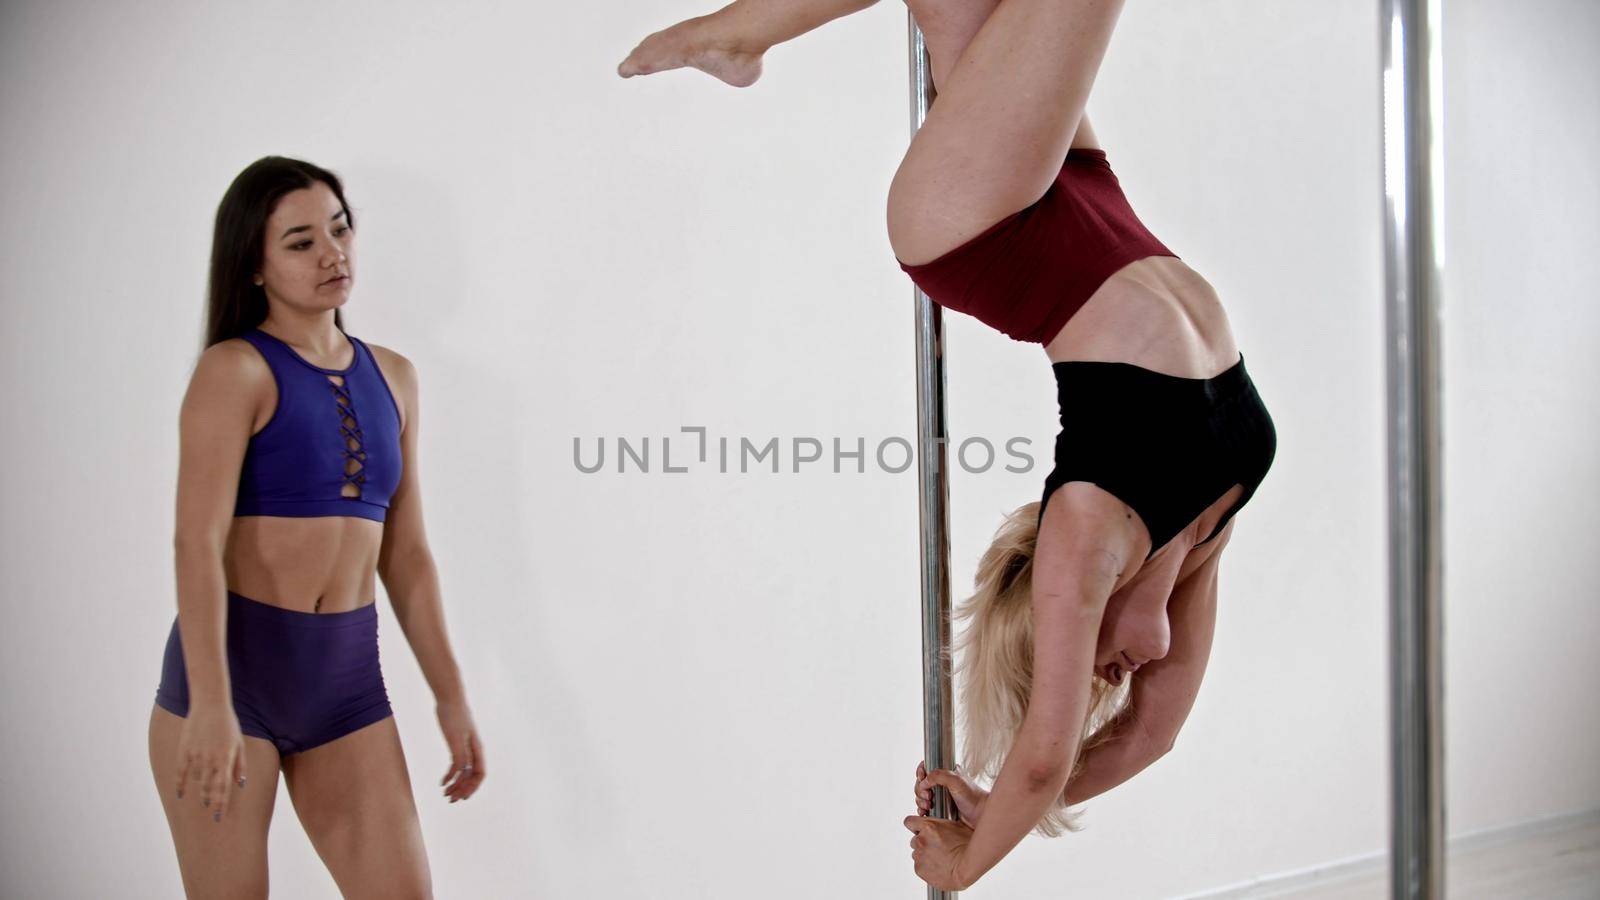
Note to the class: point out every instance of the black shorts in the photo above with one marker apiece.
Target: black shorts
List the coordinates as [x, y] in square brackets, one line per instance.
[1167, 446]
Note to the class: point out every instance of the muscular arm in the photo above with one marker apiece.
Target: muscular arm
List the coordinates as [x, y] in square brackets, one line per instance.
[1035, 771]
[1071, 585]
[1163, 691]
[405, 563]
[1109, 764]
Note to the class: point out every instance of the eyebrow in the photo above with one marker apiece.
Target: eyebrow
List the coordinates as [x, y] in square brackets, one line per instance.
[306, 227]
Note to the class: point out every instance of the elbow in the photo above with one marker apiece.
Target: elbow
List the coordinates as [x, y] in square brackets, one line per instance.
[396, 562]
[401, 563]
[1161, 744]
[1046, 776]
[188, 543]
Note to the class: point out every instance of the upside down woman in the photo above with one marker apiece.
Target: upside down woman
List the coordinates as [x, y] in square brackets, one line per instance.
[297, 483]
[1005, 208]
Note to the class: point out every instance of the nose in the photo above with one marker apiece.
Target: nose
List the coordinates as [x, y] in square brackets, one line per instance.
[1154, 649]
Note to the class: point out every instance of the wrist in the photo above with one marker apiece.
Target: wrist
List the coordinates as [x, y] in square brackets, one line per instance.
[448, 688]
[218, 696]
[960, 872]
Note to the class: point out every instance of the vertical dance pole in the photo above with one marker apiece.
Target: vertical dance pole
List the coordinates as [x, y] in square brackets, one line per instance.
[938, 745]
[1413, 249]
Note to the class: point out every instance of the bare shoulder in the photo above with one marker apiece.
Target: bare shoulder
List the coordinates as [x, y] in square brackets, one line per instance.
[396, 366]
[227, 369]
[401, 376]
[231, 392]
[232, 357]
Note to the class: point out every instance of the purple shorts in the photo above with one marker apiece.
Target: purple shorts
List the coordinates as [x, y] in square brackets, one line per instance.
[299, 679]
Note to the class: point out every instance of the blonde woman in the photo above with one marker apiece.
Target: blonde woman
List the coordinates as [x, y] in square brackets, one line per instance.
[1005, 208]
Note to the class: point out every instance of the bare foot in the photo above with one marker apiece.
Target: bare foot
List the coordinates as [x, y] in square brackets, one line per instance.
[695, 43]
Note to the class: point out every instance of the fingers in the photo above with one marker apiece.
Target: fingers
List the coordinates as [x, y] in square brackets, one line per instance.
[461, 782]
[213, 779]
[210, 773]
[463, 770]
[468, 767]
[215, 795]
[960, 789]
[476, 768]
[183, 774]
[917, 823]
[457, 762]
[951, 782]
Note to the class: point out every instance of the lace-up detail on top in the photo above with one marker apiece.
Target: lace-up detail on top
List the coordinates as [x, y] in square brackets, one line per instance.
[332, 445]
[355, 454]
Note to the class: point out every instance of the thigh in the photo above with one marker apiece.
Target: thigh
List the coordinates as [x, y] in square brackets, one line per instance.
[216, 859]
[997, 134]
[947, 27]
[353, 796]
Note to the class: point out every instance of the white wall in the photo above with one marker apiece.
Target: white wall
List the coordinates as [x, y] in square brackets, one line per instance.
[706, 684]
[1522, 131]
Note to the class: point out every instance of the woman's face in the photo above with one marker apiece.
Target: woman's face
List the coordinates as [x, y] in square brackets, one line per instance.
[307, 263]
[1133, 631]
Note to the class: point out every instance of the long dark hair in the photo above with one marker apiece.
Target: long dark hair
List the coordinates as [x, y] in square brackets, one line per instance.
[234, 302]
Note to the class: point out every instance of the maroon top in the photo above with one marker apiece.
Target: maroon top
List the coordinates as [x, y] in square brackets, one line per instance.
[1027, 274]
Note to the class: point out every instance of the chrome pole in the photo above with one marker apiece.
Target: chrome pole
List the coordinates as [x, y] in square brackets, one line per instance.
[1413, 249]
[938, 744]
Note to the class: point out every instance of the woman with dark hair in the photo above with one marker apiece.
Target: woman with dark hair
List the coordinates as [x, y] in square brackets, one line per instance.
[297, 480]
[1006, 209]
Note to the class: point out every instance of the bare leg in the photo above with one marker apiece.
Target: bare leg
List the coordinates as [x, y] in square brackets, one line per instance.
[729, 43]
[948, 29]
[226, 858]
[353, 795]
[1002, 123]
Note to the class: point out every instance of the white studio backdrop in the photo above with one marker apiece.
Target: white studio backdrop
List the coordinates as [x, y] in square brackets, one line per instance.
[705, 684]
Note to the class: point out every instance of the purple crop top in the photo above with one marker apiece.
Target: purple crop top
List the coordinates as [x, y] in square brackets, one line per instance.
[322, 436]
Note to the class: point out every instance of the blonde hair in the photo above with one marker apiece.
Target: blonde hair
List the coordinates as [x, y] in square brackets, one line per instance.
[995, 664]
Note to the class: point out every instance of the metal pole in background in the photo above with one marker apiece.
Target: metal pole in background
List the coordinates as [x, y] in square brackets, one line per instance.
[938, 744]
[1413, 250]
